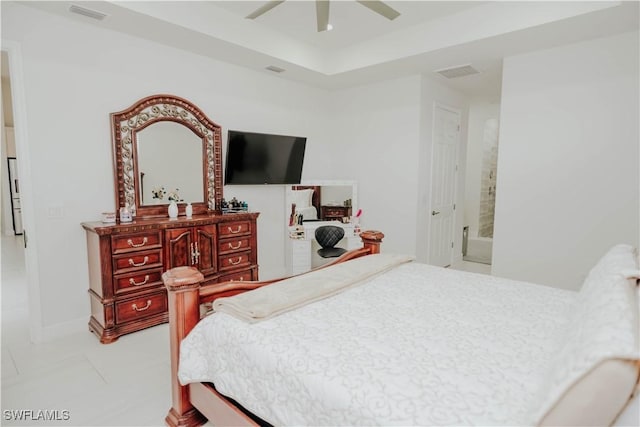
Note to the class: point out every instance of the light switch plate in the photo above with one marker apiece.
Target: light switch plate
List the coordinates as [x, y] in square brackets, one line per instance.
[55, 211]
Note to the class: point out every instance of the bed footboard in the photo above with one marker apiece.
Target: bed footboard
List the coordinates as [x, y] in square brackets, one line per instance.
[182, 288]
[185, 296]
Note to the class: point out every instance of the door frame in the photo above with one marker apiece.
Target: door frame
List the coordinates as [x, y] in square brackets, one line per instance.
[14, 53]
[456, 177]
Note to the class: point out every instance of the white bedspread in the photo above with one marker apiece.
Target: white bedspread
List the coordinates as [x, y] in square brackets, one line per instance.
[458, 349]
[308, 213]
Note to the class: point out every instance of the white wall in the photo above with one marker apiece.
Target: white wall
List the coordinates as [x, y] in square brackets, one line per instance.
[8, 149]
[568, 176]
[479, 112]
[382, 139]
[433, 92]
[74, 76]
[376, 136]
[6, 223]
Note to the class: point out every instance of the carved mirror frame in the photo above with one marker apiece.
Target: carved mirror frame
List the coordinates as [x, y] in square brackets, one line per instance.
[152, 109]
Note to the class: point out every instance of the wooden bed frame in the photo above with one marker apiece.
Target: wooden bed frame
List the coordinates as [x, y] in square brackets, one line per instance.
[193, 404]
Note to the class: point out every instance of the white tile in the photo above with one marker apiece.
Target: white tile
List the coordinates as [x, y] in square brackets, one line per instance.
[124, 383]
[8, 367]
[474, 267]
[31, 357]
[148, 411]
[53, 389]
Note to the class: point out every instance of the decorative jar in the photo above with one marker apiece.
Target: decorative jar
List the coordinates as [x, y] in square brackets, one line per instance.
[173, 209]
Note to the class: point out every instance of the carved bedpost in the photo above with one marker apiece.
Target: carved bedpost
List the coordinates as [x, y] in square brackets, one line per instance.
[372, 240]
[184, 312]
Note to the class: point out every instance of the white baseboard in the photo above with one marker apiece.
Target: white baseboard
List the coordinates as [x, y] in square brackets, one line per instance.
[63, 329]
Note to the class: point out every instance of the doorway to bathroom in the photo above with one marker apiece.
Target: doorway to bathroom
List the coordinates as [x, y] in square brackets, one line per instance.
[481, 178]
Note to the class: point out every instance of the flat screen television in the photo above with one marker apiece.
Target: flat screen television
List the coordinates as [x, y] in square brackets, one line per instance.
[258, 158]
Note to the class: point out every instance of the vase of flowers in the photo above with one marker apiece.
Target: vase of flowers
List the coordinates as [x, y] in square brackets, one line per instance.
[157, 194]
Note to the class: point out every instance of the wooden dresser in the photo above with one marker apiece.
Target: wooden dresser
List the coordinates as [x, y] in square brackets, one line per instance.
[330, 213]
[126, 262]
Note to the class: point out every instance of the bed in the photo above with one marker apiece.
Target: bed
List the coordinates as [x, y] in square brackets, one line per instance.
[307, 201]
[376, 339]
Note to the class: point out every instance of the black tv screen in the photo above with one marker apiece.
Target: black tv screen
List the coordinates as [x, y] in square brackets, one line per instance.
[258, 158]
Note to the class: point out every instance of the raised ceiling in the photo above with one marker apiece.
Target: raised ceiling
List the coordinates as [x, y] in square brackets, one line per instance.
[364, 47]
[352, 23]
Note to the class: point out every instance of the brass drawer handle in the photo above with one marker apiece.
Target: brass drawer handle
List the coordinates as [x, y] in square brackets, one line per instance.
[137, 245]
[133, 282]
[146, 307]
[237, 262]
[146, 260]
[232, 231]
[235, 247]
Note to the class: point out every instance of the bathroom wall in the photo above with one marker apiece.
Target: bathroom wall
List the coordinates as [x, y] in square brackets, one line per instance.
[480, 112]
[488, 178]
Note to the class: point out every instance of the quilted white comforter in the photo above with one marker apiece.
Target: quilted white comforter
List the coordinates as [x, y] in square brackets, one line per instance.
[454, 349]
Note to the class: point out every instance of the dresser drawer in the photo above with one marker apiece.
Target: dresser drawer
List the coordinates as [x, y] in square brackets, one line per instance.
[232, 261]
[334, 211]
[233, 245]
[137, 308]
[137, 281]
[136, 242]
[137, 261]
[244, 275]
[229, 229]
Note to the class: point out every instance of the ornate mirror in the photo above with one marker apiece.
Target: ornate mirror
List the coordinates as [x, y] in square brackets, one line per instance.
[166, 148]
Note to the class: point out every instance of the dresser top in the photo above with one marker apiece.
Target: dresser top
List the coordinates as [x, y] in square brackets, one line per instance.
[102, 228]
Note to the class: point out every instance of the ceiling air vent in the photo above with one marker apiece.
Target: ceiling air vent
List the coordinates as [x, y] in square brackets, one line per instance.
[457, 71]
[94, 14]
[275, 69]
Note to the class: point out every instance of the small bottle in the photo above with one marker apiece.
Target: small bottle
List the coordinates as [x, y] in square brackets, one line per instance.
[125, 214]
[188, 211]
[292, 217]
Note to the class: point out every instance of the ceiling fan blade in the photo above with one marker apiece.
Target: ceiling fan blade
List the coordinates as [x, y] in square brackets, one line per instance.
[322, 14]
[380, 8]
[264, 9]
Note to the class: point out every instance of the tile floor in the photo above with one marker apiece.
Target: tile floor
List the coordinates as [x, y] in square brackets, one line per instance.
[124, 383]
[473, 267]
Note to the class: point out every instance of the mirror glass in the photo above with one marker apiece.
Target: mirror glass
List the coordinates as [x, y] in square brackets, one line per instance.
[169, 158]
[315, 199]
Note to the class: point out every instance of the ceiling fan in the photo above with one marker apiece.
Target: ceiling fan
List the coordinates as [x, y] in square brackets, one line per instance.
[322, 11]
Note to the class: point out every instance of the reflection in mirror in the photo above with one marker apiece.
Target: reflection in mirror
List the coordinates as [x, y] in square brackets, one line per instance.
[170, 163]
[322, 200]
[336, 195]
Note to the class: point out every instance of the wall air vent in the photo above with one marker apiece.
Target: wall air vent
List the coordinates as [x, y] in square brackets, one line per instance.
[275, 69]
[94, 14]
[457, 71]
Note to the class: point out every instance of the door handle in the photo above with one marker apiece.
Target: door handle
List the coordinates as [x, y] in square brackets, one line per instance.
[433, 213]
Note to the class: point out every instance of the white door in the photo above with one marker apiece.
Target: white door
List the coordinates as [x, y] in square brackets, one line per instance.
[446, 137]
